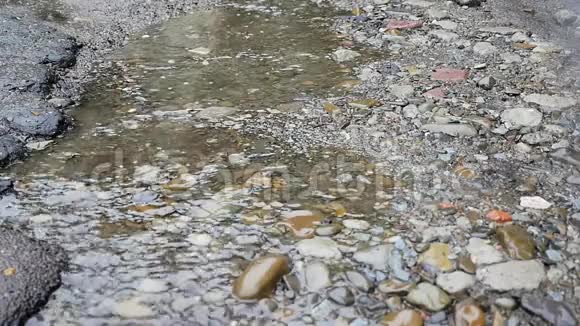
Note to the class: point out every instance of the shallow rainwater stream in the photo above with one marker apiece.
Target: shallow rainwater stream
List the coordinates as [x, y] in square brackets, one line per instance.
[156, 214]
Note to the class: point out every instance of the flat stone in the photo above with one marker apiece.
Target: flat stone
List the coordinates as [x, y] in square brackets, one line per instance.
[355, 224]
[317, 276]
[521, 117]
[419, 3]
[215, 112]
[394, 286]
[444, 36]
[516, 241]
[359, 281]
[452, 129]
[554, 312]
[133, 309]
[150, 285]
[403, 24]
[428, 296]
[238, 160]
[435, 13]
[377, 256]
[470, 3]
[402, 91]
[448, 74]
[455, 282]
[259, 279]
[446, 24]
[513, 275]
[550, 103]
[565, 17]
[342, 296]
[484, 49]
[200, 239]
[435, 93]
[319, 247]
[483, 253]
[344, 55]
[500, 30]
[301, 223]
[535, 202]
[437, 256]
[328, 230]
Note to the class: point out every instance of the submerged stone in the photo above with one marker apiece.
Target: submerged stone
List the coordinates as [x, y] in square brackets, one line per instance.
[483, 253]
[342, 296]
[554, 312]
[513, 275]
[302, 223]
[437, 256]
[319, 247]
[395, 286]
[455, 282]
[516, 241]
[469, 315]
[429, 297]
[259, 279]
[317, 276]
[403, 318]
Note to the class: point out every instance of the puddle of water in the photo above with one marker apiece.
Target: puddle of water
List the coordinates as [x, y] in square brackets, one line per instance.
[232, 56]
[249, 58]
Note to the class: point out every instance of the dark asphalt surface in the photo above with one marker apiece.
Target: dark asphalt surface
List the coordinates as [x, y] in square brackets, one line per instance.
[29, 272]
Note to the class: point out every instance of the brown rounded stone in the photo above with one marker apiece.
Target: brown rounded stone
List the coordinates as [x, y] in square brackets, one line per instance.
[403, 318]
[469, 315]
[260, 277]
[516, 241]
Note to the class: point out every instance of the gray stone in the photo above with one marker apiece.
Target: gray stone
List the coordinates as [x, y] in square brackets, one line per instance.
[444, 36]
[359, 281]
[342, 296]
[484, 49]
[317, 276]
[410, 111]
[521, 117]
[435, 13]
[402, 91]
[452, 129]
[200, 239]
[344, 55]
[513, 275]
[537, 138]
[133, 309]
[554, 312]
[487, 83]
[550, 103]
[238, 160]
[216, 112]
[455, 282]
[446, 24]
[319, 247]
[150, 285]
[565, 17]
[377, 256]
[483, 253]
